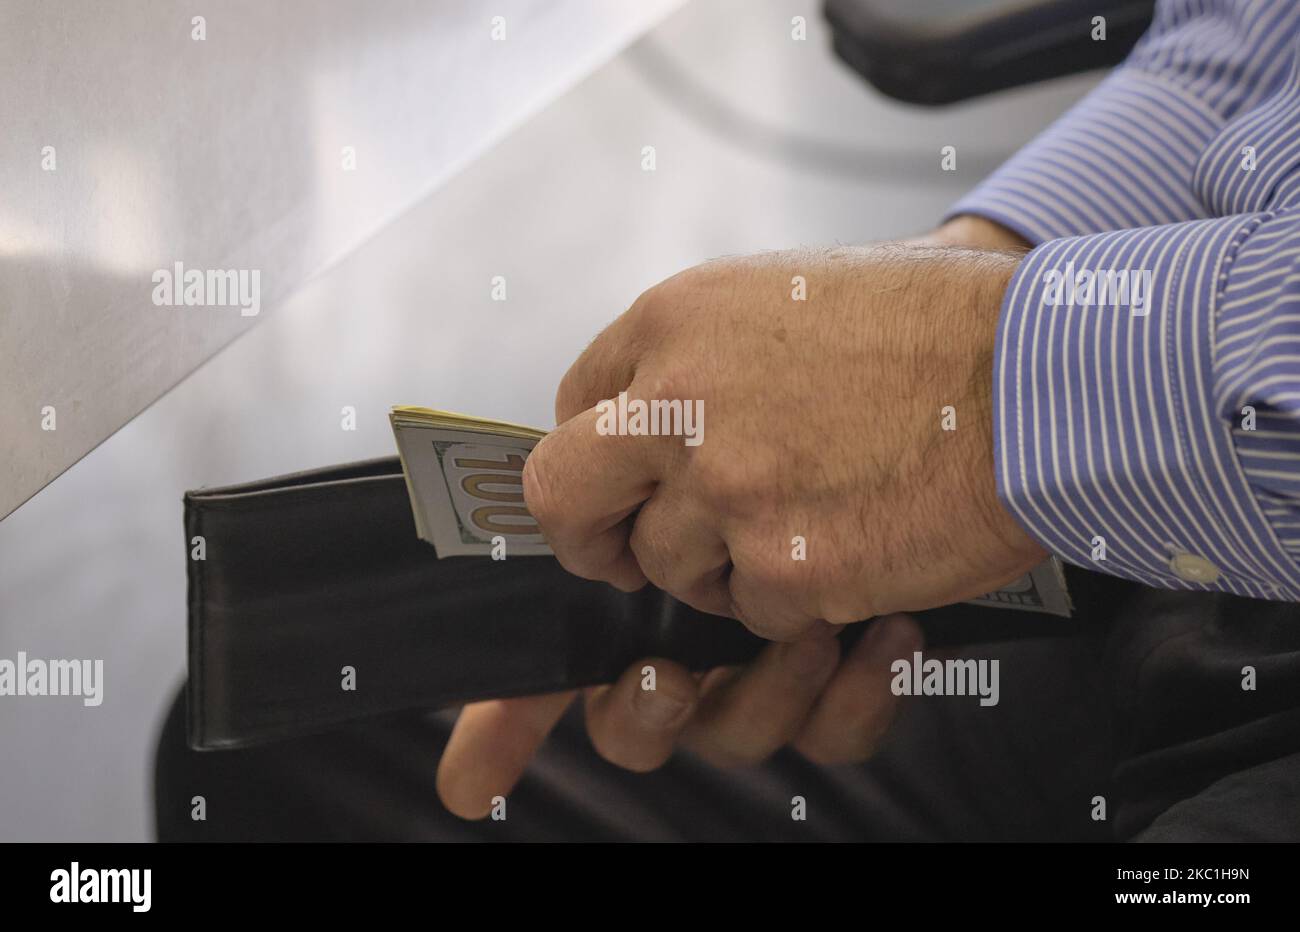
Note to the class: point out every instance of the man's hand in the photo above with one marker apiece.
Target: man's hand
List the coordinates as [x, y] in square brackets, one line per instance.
[825, 421]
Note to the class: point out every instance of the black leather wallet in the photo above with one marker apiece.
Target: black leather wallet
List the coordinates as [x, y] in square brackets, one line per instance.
[305, 575]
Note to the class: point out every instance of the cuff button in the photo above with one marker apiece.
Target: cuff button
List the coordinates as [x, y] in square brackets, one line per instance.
[1190, 567]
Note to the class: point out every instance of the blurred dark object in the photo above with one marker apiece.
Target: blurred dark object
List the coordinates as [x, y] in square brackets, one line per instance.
[1143, 706]
[941, 51]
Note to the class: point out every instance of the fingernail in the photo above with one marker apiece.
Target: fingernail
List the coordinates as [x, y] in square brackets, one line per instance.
[810, 656]
[656, 709]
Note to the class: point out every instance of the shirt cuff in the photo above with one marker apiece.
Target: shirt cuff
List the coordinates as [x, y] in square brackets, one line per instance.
[1107, 443]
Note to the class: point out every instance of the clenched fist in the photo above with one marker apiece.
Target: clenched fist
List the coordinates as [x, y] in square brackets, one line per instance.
[825, 421]
[845, 472]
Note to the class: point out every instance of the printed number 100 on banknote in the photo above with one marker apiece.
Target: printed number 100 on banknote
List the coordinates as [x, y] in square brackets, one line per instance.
[487, 492]
[465, 478]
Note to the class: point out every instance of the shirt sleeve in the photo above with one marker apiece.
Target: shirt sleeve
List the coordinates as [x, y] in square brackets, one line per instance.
[1127, 155]
[1147, 402]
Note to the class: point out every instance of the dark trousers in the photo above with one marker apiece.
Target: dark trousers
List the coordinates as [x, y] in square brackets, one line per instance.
[1139, 729]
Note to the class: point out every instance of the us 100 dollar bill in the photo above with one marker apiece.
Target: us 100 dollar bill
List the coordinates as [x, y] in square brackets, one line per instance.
[465, 478]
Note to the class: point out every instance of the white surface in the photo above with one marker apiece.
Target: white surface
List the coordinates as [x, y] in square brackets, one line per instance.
[227, 153]
[93, 566]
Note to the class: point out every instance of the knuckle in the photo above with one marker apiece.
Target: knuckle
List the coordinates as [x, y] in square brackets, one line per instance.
[845, 604]
[843, 615]
[663, 382]
[653, 550]
[737, 486]
[710, 476]
[717, 481]
[651, 308]
[763, 623]
[587, 559]
[580, 565]
[571, 396]
[661, 306]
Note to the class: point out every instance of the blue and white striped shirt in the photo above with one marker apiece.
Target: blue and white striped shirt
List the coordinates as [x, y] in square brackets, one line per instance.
[1147, 375]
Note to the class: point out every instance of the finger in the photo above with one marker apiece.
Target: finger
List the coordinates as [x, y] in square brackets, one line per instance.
[580, 485]
[605, 368]
[856, 708]
[764, 596]
[746, 717]
[680, 550]
[635, 727]
[490, 746]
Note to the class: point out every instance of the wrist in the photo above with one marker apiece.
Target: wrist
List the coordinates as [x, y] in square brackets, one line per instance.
[1019, 550]
[993, 515]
